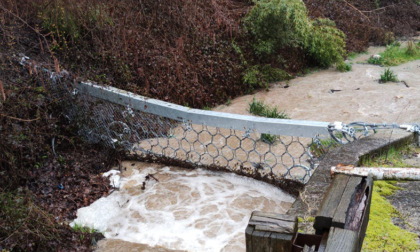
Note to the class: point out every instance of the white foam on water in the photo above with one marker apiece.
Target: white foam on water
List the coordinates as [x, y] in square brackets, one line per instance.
[114, 177]
[193, 210]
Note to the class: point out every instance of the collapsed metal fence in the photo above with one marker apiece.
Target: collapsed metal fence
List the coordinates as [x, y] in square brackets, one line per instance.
[279, 148]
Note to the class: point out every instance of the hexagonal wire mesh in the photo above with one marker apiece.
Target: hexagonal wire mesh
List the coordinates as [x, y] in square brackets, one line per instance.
[246, 151]
[249, 145]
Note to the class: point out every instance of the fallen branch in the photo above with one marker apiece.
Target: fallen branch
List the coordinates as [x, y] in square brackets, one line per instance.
[378, 173]
[361, 13]
[382, 8]
[19, 119]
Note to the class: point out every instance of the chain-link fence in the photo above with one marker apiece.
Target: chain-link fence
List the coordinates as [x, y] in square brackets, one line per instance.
[249, 145]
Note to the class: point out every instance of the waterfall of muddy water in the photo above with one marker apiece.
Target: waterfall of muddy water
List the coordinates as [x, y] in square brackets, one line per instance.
[179, 209]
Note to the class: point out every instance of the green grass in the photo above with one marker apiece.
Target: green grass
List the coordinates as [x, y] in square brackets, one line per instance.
[396, 55]
[323, 148]
[82, 229]
[392, 157]
[353, 55]
[388, 75]
[344, 67]
[258, 108]
[381, 233]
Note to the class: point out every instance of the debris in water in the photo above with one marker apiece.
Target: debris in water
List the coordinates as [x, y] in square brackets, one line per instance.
[334, 90]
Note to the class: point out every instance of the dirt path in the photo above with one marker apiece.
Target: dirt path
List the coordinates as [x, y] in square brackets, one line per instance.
[329, 95]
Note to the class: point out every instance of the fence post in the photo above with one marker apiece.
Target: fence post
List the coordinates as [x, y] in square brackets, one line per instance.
[344, 212]
[270, 232]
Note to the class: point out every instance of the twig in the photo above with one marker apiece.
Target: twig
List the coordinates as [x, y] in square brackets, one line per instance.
[2, 90]
[19, 119]
[382, 8]
[152, 176]
[356, 9]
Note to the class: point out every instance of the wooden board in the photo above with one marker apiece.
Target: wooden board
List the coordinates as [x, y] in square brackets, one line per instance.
[260, 241]
[339, 218]
[274, 216]
[323, 219]
[342, 240]
[281, 242]
[365, 218]
[248, 238]
[270, 232]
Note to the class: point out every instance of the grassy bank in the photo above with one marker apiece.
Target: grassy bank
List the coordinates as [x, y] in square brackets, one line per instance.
[381, 233]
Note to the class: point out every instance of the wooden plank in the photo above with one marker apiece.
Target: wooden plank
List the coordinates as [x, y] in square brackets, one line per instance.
[281, 242]
[365, 218]
[269, 220]
[260, 241]
[248, 238]
[342, 240]
[270, 232]
[283, 226]
[277, 229]
[276, 216]
[323, 243]
[340, 214]
[323, 219]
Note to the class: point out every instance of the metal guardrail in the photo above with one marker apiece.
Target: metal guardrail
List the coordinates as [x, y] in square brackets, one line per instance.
[284, 127]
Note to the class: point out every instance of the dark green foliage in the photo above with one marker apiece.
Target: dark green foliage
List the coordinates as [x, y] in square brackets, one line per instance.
[267, 138]
[376, 60]
[260, 109]
[326, 43]
[395, 55]
[388, 75]
[260, 76]
[256, 107]
[277, 24]
[344, 67]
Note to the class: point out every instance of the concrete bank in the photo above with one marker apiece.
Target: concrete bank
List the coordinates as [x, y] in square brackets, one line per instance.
[311, 197]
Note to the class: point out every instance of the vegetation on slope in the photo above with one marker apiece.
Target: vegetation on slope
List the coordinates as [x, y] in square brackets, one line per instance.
[198, 53]
[395, 54]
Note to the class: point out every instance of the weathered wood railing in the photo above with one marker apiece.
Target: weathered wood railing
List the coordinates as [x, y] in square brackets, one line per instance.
[340, 223]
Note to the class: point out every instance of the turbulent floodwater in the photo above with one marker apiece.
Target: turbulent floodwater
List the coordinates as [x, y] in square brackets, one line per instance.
[204, 211]
[193, 210]
[330, 95]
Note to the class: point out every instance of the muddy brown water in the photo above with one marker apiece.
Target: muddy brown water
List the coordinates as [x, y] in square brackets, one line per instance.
[179, 209]
[326, 95]
[329, 95]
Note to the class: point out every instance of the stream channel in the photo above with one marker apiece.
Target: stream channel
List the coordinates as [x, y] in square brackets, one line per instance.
[197, 210]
